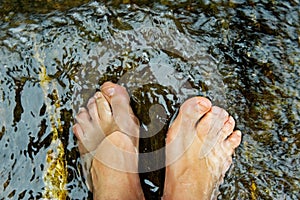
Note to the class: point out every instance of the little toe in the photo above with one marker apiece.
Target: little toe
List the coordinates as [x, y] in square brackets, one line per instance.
[90, 131]
[82, 140]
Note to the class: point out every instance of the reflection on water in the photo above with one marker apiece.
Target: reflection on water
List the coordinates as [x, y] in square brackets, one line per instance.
[243, 55]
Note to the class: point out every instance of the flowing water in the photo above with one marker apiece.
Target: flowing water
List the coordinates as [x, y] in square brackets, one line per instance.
[243, 55]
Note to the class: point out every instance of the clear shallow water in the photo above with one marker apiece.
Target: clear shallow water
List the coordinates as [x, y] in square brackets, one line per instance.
[243, 55]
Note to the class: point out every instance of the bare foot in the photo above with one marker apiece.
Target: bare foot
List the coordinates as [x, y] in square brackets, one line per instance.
[114, 169]
[108, 127]
[199, 149]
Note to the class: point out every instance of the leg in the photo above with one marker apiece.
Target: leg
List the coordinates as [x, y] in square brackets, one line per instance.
[200, 144]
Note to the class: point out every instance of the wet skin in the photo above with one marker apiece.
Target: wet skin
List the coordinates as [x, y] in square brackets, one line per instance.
[199, 148]
[109, 130]
[200, 144]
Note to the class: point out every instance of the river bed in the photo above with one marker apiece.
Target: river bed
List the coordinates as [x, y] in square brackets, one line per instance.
[243, 55]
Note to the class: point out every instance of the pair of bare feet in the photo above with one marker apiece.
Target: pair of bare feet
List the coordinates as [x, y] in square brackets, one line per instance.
[199, 147]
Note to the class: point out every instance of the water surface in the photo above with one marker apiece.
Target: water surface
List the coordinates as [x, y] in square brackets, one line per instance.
[243, 55]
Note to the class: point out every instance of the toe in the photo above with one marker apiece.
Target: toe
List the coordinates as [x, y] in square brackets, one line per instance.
[105, 87]
[119, 101]
[81, 137]
[227, 128]
[189, 114]
[183, 130]
[195, 108]
[106, 119]
[78, 132]
[83, 116]
[209, 129]
[234, 140]
[103, 107]
[115, 92]
[212, 122]
[88, 130]
[92, 107]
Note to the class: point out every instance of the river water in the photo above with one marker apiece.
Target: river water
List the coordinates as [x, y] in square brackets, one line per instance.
[243, 55]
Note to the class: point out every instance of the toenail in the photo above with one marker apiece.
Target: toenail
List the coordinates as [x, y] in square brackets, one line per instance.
[239, 133]
[231, 120]
[98, 95]
[91, 100]
[110, 91]
[216, 110]
[81, 110]
[205, 104]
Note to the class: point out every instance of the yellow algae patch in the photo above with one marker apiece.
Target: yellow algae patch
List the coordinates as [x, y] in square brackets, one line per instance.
[55, 175]
[55, 178]
[253, 190]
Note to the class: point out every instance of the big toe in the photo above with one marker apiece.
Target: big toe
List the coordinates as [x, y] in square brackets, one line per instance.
[190, 113]
[115, 92]
[183, 130]
[194, 108]
[119, 101]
